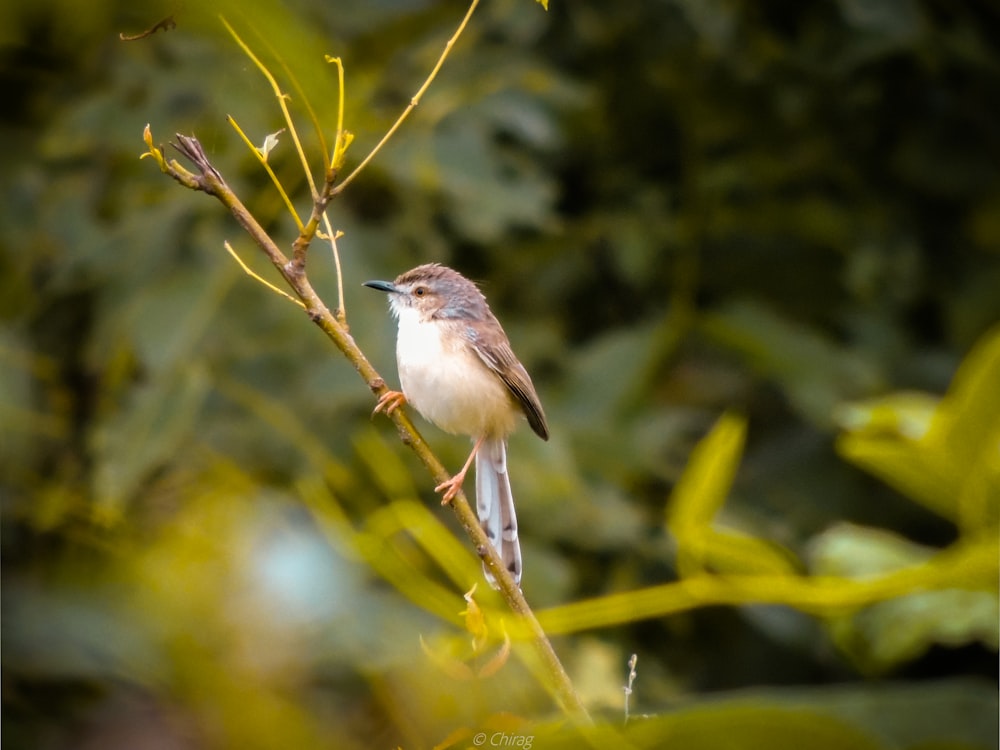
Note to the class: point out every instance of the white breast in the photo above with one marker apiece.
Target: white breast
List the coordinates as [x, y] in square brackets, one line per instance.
[444, 379]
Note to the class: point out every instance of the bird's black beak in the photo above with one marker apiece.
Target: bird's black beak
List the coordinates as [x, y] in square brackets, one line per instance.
[382, 286]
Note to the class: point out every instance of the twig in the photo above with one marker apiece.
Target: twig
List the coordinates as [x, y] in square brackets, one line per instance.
[166, 24]
[321, 198]
[632, 674]
[257, 277]
[262, 158]
[282, 98]
[413, 102]
[210, 181]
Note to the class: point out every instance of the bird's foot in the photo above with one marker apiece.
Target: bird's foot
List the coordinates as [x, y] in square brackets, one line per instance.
[454, 485]
[451, 488]
[389, 402]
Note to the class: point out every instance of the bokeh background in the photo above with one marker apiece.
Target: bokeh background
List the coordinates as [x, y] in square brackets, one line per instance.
[678, 209]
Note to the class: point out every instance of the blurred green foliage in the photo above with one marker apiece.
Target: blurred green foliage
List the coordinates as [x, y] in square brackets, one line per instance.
[679, 209]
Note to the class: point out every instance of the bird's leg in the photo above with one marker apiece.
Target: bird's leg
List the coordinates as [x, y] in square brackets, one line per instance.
[389, 402]
[453, 485]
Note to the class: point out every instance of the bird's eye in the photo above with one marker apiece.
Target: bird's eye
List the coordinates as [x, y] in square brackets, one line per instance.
[420, 291]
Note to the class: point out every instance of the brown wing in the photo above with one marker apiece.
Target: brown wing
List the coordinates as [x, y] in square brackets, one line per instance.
[499, 357]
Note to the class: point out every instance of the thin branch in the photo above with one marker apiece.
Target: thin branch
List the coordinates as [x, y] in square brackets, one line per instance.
[413, 102]
[166, 24]
[267, 167]
[257, 277]
[632, 674]
[320, 198]
[313, 117]
[333, 236]
[282, 98]
[343, 138]
[341, 141]
[301, 245]
[210, 181]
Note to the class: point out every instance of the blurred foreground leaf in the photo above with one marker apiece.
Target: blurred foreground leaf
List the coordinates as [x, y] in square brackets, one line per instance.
[943, 454]
[700, 494]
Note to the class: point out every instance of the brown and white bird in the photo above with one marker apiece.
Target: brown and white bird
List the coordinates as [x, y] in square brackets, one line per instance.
[456, 368]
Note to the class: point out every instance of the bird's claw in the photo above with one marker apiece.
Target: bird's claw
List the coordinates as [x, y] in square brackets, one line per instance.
[450, 488]
[389, 402]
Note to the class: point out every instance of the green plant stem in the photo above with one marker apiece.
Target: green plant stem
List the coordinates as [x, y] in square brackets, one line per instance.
[210, 181]
[967, 565]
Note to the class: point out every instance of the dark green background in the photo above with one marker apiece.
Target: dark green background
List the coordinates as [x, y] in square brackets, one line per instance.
[676, 208]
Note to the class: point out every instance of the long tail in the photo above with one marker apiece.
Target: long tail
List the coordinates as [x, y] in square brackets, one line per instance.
[495, 505]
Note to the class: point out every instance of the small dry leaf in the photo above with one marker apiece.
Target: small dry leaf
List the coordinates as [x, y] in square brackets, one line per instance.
[270, 141]
[475, 622]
